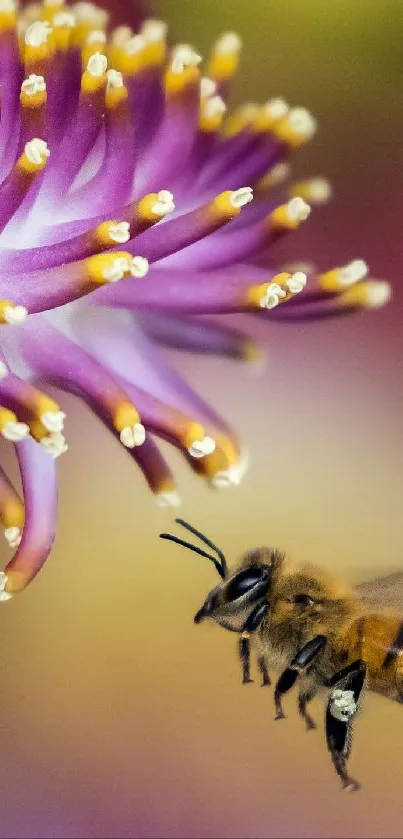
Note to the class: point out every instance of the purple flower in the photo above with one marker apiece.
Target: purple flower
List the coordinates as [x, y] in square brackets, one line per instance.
[126, 220]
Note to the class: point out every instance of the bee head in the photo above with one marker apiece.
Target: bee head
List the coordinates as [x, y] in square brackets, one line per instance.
[232, 601]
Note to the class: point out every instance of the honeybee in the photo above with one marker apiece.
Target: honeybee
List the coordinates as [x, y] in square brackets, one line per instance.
[313, 629]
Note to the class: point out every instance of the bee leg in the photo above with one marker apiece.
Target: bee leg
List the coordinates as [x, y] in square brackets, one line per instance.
[342, 706]
[244, 655]
[304, 658]
[251, 624]
[263, 670]
[305, 696]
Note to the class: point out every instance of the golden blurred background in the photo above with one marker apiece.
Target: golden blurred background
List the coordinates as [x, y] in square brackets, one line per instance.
[120, 718]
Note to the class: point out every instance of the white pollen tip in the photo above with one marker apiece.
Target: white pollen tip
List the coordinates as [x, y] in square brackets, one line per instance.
[298, 209]
[277, 108]
[165, 203]
[4, 371]
[241, 197]
[342, 704]
[169, 499]
[120, 232]
[134, 45]
[121, 35]
[279, 173]
[33, 84]
[214, 106]
[231, 477]
[37, 33]
[54, 444]
[8, 6]
[296, 282]
[97, 64]
[353, 272]
[97, 36]
[53, 420]
[153, 30]
[302, 122]
[15, 431]
[186, 56]
[208, 86]
[90, 14]
[14, 315]
[378, 295]
[274, 293]
[320, 190]
[133, 435]
[228, 42]
[13, 536]
[4, 595]
[36, 151]
[51, 3]
[64, 20]
[201, 448]
[115, 79]
[117, 270]
[139, 267]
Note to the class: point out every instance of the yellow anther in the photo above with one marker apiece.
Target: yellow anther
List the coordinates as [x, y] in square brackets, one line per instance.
[212, 110]
[314, 190]
[125, 415]
[274, 177]
[34, 157]
[108, 267]
[7, 15]
[176, 81]
[224, 60]
[278, 290]
[229, 204]
[155, 206]
[371, 294]
[341, 278]
[11, 314]
[243, 117]
[289, 216]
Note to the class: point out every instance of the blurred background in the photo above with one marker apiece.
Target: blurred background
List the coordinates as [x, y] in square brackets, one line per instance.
[120, 718]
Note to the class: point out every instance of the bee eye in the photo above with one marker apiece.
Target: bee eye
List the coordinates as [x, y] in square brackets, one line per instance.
[303, 600]
[245, 581]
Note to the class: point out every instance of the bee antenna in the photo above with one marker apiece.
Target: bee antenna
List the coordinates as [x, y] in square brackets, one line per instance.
[196, 550]
[208, 542]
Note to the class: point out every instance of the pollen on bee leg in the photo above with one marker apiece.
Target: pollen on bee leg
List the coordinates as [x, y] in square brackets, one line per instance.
[11, 314]
[347, 275]
[290, 215]
[10, 428]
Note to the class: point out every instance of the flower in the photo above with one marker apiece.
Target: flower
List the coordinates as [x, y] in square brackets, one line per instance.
[126, 218]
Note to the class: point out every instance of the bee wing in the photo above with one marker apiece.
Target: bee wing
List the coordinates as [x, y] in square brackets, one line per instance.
[383, 592]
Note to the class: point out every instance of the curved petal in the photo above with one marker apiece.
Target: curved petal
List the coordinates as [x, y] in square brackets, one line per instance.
[38, 472]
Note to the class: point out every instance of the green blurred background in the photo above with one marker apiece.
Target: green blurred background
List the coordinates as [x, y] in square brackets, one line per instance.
[119, 716]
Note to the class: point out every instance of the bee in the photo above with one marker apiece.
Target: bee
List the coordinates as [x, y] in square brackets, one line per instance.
[312, 629]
